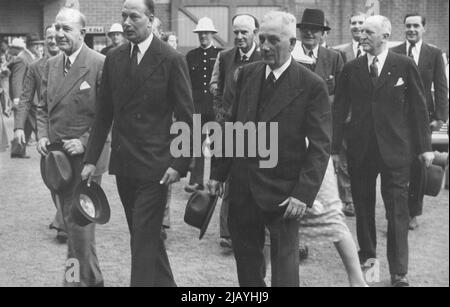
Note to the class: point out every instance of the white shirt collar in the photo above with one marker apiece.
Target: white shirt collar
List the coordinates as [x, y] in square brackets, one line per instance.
[249, 53]
[143, 47]
[315, 51]
[74, 55]
[279, 71]
[381, 60]
[356, 46]
[415, 51]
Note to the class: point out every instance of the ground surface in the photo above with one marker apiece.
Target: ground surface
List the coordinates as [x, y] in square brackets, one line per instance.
[29, 255]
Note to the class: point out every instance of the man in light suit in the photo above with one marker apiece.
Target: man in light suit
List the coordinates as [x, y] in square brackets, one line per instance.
[388, 129]
[66, 111]
[432, 71]
[31, 90]
[276, 90]
[19, 67]
[354, 49]
[144, 83]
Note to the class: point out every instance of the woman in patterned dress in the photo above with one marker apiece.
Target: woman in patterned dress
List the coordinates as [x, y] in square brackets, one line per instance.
[325, 223]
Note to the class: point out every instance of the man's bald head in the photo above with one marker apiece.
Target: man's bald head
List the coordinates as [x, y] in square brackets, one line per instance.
[72, 15]
[245, 21]
[70, 32]
[376, 32]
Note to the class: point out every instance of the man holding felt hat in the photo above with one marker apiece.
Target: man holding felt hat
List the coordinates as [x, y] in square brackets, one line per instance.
[70, 83]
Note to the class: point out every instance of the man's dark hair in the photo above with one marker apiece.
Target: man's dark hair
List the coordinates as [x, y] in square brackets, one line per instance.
[424, 20]
[150, 4]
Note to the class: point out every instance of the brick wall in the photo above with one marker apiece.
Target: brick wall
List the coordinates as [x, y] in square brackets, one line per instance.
[20, 16]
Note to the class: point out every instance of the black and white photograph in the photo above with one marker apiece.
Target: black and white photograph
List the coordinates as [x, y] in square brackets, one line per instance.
[213, 145]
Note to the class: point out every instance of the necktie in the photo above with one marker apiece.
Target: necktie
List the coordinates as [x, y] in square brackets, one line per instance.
[134, 60]
[271, 80]
[244, 59]
[266, 93]
[358, 53]
[374, 70]
[67, 66]
[311, 55]
[411, 46]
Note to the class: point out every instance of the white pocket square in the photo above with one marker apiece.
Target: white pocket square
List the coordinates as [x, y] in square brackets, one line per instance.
[400, 82]
[84, 86]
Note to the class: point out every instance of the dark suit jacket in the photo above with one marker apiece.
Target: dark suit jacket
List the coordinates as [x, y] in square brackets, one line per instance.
[329, 65]
[142, 108]
[348, 53]
[301, 108]
[18, 69]
[67, 106]
[397, 112]
[31, 90]
[229, 64]
[432, 71]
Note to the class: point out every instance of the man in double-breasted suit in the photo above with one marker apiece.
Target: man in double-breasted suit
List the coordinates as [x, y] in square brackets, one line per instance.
[69, 93]
[31, 90]
[277, 90]
[354, 49]
[144, 83]
[388, 129]
[432, 71]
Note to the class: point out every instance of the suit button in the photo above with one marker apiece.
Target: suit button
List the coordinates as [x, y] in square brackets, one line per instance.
[138, 116]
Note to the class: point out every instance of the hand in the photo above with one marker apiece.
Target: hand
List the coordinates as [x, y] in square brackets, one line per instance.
[295, 209]
[73, 147]
[88, 173]
[436, 125]
[19, 134]
[15, 104]
[427, 158]
[336, 163]
[213, 89]
[215, 187]
[171, 176]
[8, 109]
[41, 146]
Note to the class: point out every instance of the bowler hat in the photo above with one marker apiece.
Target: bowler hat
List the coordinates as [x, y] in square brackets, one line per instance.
[205, 24]
[56, 170]
[199, 210]
[314, 17]
[91, 205]
[425, 180]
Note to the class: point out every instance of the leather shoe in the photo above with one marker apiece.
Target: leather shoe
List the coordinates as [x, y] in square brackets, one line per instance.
[163, 234]
[303, 253]
[193, 188]
[61, 237]
[14, 156]
[349, 209]
[399, 281]
[413, 224]
[226, 243]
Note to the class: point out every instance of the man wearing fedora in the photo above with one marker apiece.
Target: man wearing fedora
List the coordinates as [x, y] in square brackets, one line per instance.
[31, 90]
[201, 63]
[115, 34]
[432, 71]
[388, 129]
[19, 67]
[145, 83]
[69, 93]
[275, 90]
[222, 86]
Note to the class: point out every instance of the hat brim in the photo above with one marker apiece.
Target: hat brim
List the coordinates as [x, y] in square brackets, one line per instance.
[99, 200]
[325, 28]
[64, 180]
[213, 203]
[206, 30]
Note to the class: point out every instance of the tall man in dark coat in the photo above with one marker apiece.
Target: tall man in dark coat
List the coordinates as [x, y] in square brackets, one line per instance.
[65, 115]
[388, 129]
[144, 83]
[277, 90]
[432, 71]
[32, 91]
[201, 63]
[223, 84]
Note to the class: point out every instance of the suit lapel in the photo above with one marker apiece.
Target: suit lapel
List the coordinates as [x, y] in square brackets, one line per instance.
[284, 94]
[122, 69]
[151, 60]
[386, 73]
[322, 63]
[423, 56]
[78, 70]
[363, 73]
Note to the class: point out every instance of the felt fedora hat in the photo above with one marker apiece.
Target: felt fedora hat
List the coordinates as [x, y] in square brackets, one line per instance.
[425, 180]
[199, 210]
[91, 205]
[56, 170]
[314, 17]
[205, 24]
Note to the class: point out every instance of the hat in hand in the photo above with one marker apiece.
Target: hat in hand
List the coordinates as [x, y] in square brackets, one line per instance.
[199, 210]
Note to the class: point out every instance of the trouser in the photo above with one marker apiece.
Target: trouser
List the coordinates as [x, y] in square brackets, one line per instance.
[166, 220]
[394, 189]
[144, 202]
[81, 239]
[247, 227]
[224, 209]
[343, 178]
